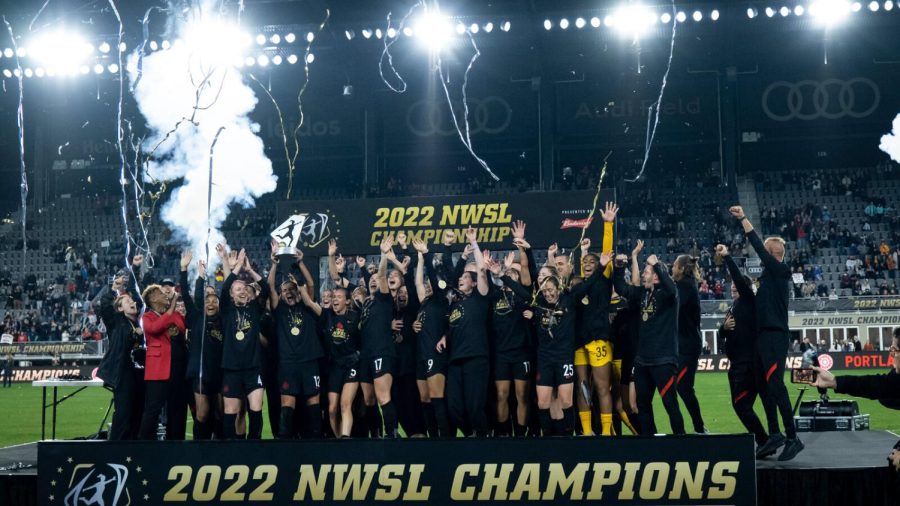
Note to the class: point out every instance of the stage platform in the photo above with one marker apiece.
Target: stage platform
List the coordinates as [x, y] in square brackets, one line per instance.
[836, 468]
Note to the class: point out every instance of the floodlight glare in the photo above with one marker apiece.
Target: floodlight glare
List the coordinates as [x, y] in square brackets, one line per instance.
[856, 7]
[104, 47]
[378, 33]
[784, 11]
[770, 12]
[262, 60]
[29, 72]
[98, 69]
[7, 73]
[714, 15]
[166, 44]
[873, 6]
[434, 31]
[548, 24]
[249, 61]
[85, 70]
[310, 58]
[292, 59]
[489, 27]
[665, 18]
[391, 33]
[595, 22]
[473, 28]
[260, 39]
[580, 22]
[275, 38]
[21, 52]
[505, 26]
[40, 71]
[889, 5]
[367, 33]
[216, 42]
[113, 68]
[60, 49]
[8, 52]
[277, 59]
[311, 37]
[752, 13]
[829, 12]
[799, 10]
[290, 38]
[408, 31]
[153, 45]
[563, 23]
[632, 20]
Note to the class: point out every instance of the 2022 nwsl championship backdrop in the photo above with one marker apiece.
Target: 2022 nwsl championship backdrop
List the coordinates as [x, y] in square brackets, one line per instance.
[623, 252]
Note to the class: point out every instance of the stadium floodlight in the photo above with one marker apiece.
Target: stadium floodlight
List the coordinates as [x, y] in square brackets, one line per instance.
[784, 11]
[366, 33]
[714, 15]
[564, 23]
[473, 28]
[350, 34]
[488, 27]
[873, 6]
[460, 28]
[39, 72]
[249, 61]
[104, 47]
[154, 45]
[215, 42]
[595, 22]
[505, 26]
[665, 18]
[29, 72]
[260, 39]
[433, 31]
[378, 33]
[770, 12]
[262, 60]
[681, 16]
[21, 52]
[799, 10]
[85, 70]
[752, 12]
[311, 37]
[580, 22]
[113, 68]
[60, 50]
[408, 31]
[276, 60]
[166, 44]
[275, 38]
[123, 47]
[98, 69]
[632, 20]
[8, 52]
[548, 24]
[392, 33]
[856, 7]
[889, 5]
[310, 58]
[292, 59]
[697, 16]
[829, 12]
[290, 37]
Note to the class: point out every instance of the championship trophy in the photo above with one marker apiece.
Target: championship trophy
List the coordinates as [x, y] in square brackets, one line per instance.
[286, 237]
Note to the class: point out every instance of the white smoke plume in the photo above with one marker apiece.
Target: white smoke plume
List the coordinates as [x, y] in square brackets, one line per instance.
[168, 94]
[890, 143]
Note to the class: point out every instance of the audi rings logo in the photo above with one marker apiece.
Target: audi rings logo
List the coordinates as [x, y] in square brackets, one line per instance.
[489, 115]
[809, 100]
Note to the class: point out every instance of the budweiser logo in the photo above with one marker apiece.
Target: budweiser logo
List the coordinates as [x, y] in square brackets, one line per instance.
[567, 223]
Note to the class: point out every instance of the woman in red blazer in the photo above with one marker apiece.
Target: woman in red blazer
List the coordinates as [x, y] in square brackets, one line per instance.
[160, 323]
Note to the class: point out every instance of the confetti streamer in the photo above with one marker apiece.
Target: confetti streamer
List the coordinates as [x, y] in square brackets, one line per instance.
[145, 27]
[212, 150]
[465, 138]
[20, 122]
[651, 131]
[386, 53]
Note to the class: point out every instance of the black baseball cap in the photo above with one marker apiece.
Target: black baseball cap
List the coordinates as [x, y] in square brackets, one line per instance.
[167, 281]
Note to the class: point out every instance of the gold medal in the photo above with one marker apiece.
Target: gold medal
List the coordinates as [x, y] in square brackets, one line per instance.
[295, 331]
[646, 316]
[239, 336]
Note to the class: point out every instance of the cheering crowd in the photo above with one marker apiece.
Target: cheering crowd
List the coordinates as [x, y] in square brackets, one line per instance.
[485, 346]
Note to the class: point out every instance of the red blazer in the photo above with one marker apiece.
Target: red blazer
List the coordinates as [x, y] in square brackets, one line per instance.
[157, 330]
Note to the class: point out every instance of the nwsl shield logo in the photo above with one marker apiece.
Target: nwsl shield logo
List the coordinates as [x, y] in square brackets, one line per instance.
[98, 485]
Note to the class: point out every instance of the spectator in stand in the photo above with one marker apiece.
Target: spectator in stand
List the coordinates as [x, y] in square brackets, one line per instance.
[8, 365]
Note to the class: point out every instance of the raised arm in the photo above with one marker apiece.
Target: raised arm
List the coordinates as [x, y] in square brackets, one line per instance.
[332, 263]
[768, 261]
[609, 222]
[745, 290]
[270, 282]
[200, 286]
[513, 285]
[387, 245]
[635, 266]
[630, 292]
[581, 289]
[526, 257]
[307, 276]
[664, 278]
[421, 250]
[310, 303]
[484, 286]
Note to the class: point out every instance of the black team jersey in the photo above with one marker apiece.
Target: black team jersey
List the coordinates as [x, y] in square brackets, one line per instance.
[740, 343]
[433, 317]
[774, 289]
[242, 348]
[689, 338]
[341, 334]
[468, 326]
[658, 330]
[375, 326]
[593, 321]
[298, 339]
[205, 333]
[623, 330]
[509, 327]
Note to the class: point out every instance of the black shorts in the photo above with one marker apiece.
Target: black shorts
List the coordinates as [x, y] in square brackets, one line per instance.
[238, 383]
[299, 379]
[339, 375]
[210, 388]
[375, 367]
[505, 370]
[554, 374]
[427, 368]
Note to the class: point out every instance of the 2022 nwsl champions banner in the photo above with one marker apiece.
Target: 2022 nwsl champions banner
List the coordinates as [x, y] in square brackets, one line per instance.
[696, 470]
[359, 225]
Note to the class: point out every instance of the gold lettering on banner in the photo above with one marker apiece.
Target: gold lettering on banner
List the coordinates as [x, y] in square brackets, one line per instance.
[311, 483]
[529, 481]
[654, 480]
[686, 479]
[393, 485]
[605, 473]
[631, 470]
[413, 492]
[353, 480]
[573, 482]
[457, 493]
[494, 481]
[724, 474]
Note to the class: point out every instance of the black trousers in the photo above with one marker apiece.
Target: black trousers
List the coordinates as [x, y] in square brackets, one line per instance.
[687, 372]
[179, 395]
[273, 395]
[405, 395]
[773, 347]
[467, 388]
[648, 378]
[128, 402]
[155, 398]
[743, 380]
